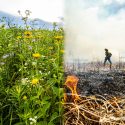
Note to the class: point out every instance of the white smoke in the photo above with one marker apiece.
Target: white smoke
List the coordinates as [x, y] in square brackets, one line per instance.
[88, 33]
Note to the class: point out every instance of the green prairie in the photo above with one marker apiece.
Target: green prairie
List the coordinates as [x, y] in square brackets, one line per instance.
[31, 76]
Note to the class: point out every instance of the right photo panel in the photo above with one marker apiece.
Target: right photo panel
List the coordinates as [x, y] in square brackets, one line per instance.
[94, 62]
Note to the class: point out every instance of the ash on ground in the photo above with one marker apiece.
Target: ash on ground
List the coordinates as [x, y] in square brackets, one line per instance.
[106, 83]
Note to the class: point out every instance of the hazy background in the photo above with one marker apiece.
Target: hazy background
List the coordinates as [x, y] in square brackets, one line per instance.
[93, 25]
[47, 10]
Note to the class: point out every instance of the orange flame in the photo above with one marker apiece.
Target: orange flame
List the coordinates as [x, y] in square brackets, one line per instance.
[71, 83]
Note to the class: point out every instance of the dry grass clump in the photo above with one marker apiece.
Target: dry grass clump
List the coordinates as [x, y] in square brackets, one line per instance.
[95, 110]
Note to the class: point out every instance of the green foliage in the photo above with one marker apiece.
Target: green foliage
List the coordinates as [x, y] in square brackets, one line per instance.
[31, 76]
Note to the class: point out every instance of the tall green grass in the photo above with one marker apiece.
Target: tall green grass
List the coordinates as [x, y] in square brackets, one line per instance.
[31, 76]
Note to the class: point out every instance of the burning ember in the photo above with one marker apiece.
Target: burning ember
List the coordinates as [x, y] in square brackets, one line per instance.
[71, 83]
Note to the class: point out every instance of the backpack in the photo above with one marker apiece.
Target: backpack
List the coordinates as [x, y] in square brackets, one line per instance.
[109, 54]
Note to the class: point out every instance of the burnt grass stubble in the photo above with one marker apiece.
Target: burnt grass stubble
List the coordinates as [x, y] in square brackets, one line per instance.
[106, 83]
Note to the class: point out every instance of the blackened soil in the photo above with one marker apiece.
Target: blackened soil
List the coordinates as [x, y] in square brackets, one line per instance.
[110, 83]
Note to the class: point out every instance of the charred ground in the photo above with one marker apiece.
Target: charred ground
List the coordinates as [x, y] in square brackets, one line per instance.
[106, 83]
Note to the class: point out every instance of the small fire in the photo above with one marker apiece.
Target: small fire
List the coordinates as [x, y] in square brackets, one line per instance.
[71, 83]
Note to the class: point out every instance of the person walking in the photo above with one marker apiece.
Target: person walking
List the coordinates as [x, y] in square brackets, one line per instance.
[108, 58]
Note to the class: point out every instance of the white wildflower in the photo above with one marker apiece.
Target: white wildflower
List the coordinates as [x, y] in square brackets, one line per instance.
[35, 117]
[34, 63]
[30, 119]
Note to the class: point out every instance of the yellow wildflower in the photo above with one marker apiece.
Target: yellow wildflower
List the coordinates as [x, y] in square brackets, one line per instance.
[18, 37]
[34, 81]
[24, 97]
[36, 55]
[62, 51]
[58, 37]
[28, 34]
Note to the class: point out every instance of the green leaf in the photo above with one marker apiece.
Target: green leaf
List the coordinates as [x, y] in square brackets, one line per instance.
[21, 56]
[42, 113]
[54, 116]
[20, 123]
[34, 98]
[55, 90]
[45, 108]
[42, 123]
[46, 98]
[51, 123]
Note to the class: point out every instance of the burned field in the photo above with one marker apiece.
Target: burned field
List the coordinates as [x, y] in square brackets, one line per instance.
[95, 98]
[111, 83]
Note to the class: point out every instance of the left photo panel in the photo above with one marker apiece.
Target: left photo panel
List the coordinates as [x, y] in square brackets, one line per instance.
[31, 62]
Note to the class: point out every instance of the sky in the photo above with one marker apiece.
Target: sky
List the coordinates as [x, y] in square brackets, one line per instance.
[48, 10]
[93, 25]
